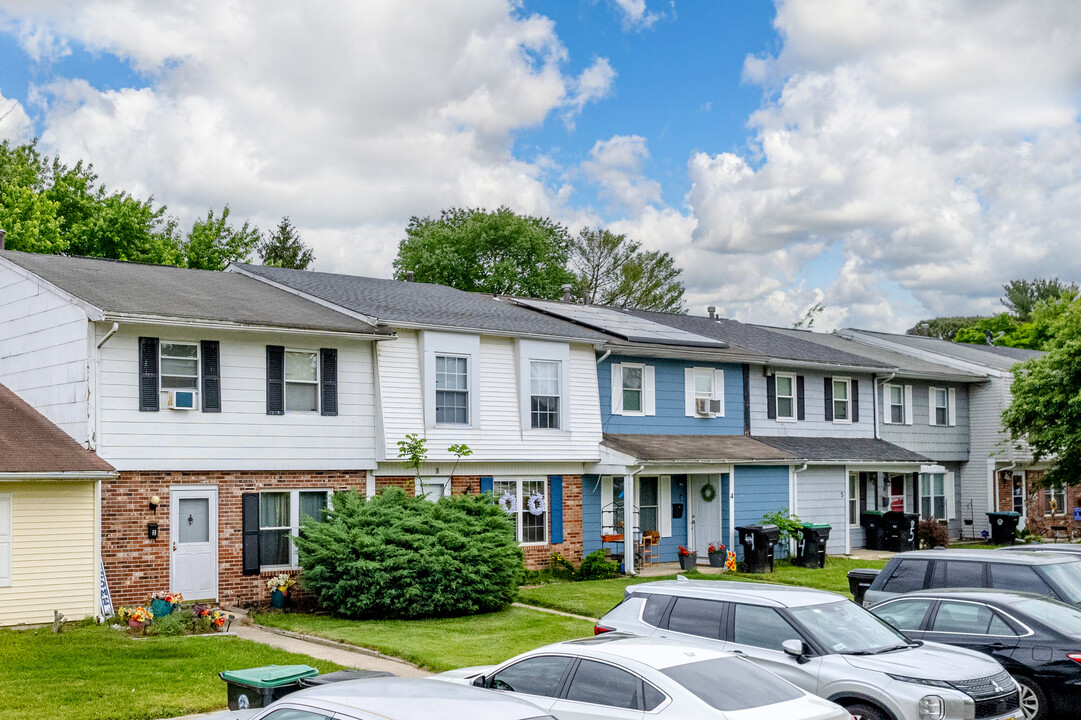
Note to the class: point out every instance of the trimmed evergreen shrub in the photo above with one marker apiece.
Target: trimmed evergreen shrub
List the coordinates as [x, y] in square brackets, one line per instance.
[400, 557]
[596, 567]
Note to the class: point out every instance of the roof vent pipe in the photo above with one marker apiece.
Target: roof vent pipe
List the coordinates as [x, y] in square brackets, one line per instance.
[2, 234]
[566, 292]
[409, 276]
[712, 310]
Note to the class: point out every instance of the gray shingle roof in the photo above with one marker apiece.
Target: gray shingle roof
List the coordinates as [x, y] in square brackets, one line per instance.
[907, 365]
[992, 356]
[842, 449]
[763, 340]
[414, 304]
[136, 289]
[693, 448]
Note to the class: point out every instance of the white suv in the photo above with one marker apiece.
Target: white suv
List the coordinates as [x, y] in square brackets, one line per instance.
[826, 645]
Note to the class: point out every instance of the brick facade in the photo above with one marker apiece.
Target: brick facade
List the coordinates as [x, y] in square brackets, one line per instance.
[1038, 516]
[408, 484]
[136, 566]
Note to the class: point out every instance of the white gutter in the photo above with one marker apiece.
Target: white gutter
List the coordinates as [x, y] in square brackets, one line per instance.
[228, 325]
[785, 363]
[874, 403]
[793, 500]
[116, 326]
[628, 505]
[57, 476]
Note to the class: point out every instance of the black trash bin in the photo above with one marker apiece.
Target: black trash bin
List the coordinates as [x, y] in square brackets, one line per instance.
[901, 531]
[258, 687]
[859, 580]
[1003, 527]
[875, 528]
[811, 551]
[758, 542]
[342, 676]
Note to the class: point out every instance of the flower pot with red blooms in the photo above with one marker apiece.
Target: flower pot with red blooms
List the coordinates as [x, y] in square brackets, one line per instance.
[688, 559]
[718, 554]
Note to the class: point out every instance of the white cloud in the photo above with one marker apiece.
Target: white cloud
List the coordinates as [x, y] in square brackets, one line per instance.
[635, 14]
[616, 166]
[14, 123]
[595, 83]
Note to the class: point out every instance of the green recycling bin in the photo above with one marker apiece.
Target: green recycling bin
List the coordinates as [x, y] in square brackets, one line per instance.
[258, 687]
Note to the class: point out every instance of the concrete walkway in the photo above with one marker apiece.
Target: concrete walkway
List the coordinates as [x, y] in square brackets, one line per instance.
[343, 654]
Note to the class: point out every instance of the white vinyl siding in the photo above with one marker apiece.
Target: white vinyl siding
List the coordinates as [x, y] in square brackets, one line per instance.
[820, 493]
[543, 377]
[944, 443]
[6, 518]
[814, 423]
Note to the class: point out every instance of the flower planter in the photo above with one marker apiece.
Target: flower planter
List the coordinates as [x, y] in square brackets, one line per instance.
[278, 599]
[136, 625]
[161, 608]
[688, 562]
[717, 560]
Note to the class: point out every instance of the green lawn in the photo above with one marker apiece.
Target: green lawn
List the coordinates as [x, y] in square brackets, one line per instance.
[441, 643]
[596, 597]
[94, 672]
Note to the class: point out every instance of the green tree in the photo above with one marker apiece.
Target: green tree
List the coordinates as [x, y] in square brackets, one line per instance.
[1045, 412]
[283, 248]
[213, 242]
[480, 251]
[943, 328]
[612, 269]
[1004, 329]
[125, 228]
[1020, 296]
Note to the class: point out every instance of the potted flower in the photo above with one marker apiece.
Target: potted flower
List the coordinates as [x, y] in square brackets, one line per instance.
[688, 559]
[214, 615]
[163, 603]
[717, 555]
[139, 618]
[279, 586]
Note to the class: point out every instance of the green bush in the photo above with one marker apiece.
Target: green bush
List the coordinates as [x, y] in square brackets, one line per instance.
[561, 568]
[400, 557]
[596, 567]
[933, 534]
[175, 623]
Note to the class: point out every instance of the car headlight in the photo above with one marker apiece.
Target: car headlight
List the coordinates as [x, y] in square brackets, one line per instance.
[932, 707]
[920, 681]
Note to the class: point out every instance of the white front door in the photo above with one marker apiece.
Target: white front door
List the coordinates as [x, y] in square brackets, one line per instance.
[704, 523]
[193, 519]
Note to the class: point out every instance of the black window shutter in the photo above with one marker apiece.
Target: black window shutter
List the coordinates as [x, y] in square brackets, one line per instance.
[801, 413]
[828, 381]
[149, 397]
[209, 350]
[771, 397]
[328, 381]
[746, 399]
[275, 380]
[855, 400]
[249, 505]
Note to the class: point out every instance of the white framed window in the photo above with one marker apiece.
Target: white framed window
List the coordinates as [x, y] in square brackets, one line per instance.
[544, 394]
[179, 365]
[632, 389]
[853, 499]
[703, 383]
[648, 504]
[941, 406]
[451, 390]
[1054, 501]
[280, 514]
[531, 528]
[301, 381]
[842, 400]
[895, 404]
[7, 520]
[786, 396]
[933, 496]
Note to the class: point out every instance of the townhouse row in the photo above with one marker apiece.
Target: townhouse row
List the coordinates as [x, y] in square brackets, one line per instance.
[228, 406]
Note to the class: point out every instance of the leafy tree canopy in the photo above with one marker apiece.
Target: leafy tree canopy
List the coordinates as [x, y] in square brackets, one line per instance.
[1045, 411]
[943, 328]
[614, 270]
[495, 252]
[213, 242]
[1020, 296]
[283, 248]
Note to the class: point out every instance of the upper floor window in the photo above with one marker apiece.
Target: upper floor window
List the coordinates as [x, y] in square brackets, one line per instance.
[703, 383]
[786, 397]
[632, 388]
[301, 381]
[942, 406]
[451, 389]
[544, 394]
[842, 400]
[179, 366]
[896, 403]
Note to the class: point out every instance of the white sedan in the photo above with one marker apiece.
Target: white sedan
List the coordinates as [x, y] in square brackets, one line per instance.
[622, 677]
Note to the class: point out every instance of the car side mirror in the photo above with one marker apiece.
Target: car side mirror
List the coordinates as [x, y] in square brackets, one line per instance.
[480, 681]
[796, 649]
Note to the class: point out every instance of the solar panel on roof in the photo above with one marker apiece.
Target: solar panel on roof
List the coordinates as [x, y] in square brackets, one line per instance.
[623, 324]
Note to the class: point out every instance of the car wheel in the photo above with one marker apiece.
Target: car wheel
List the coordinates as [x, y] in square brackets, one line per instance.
[860, 711]
[1033, 699]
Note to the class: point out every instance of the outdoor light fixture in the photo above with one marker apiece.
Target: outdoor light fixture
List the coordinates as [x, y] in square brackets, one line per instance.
[154, 502]
[469, 489]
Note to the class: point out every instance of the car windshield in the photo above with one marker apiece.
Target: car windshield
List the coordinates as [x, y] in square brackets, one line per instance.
[844, 627]
[1067, 579]
[1062, 617]
[745, 684]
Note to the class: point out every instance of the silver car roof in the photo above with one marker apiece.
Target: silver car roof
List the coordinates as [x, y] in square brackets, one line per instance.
[1028, 558]
[769, 594]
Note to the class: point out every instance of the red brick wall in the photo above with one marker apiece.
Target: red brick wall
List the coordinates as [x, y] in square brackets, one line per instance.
[136, 566]
[408, 484]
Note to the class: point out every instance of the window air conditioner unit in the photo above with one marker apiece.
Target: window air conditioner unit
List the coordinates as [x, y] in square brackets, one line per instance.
[706, 406]
[182, 400]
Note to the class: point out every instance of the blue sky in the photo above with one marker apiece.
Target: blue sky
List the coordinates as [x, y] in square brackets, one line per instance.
[890, 160]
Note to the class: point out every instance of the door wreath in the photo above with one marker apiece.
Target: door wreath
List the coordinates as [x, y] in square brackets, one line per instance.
[709, 492]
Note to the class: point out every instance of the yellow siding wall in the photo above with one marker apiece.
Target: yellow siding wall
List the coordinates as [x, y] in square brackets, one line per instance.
[52, 552]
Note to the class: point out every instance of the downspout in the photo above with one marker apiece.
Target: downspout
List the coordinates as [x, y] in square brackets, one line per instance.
[997, 484]
[116, 326]
[604, 357]
[794, 500]
[874, 404]
[629, 510]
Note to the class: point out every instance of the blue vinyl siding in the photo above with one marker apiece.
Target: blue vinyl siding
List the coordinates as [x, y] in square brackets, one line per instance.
[591, 513]
[669, 550]
[760, 489]
[671, 417]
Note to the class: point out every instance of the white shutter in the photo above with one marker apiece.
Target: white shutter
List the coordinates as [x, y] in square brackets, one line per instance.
[688, 391]
[664, 502]
[887, 415]
[649, 393]
[718, 389]
[951, 495]
[908, 404]
[931, 406]
[608, 517]
[617, 390]
[953, 406]
[6, 521]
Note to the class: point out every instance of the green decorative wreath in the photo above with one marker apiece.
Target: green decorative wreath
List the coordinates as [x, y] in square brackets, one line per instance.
[709, 492]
